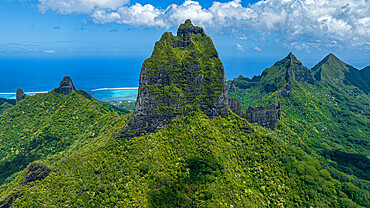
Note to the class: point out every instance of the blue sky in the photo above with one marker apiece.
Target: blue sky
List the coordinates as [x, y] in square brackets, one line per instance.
[249, 35]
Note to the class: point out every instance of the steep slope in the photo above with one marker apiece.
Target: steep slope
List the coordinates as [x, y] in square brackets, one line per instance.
[328, 119]
[334, 71]
[202, 158]
[6, 104]
[121, 107]
[365, 74]
[278, 77]
[183, 72]
[193, 162]
[42, 125]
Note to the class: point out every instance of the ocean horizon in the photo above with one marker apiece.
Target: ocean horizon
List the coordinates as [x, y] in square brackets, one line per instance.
[106, 79]
[101, 94]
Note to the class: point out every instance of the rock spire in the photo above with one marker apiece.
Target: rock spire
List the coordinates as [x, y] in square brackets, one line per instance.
[183, 73]
[20, 95]
[66, 86]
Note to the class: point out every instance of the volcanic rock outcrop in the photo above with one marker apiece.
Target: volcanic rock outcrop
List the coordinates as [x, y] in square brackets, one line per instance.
[183, 73]
[235, 106]
[66, 86]
[265, 117]
[20, 95]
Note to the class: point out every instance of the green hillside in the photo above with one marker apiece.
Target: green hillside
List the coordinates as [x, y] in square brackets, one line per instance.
[62, 149]
[328, 119]
[6, 104]
[45, 124]
[194, 162]
[121, 107]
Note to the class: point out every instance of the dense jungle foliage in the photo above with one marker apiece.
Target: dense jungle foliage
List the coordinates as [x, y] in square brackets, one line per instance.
[45, 124]
[5, 104]
[328, 119]
[121, 107]
[59, 150]
[194, 162]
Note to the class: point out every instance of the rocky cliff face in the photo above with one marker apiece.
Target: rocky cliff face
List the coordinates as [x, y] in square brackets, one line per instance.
[265, 117]
[183, 73]
[66, 86]
[20, 95]
[235, 106]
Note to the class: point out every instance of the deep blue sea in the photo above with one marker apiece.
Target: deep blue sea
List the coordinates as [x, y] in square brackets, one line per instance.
[107, 79]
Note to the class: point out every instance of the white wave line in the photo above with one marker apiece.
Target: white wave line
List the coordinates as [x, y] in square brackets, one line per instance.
[119, 88]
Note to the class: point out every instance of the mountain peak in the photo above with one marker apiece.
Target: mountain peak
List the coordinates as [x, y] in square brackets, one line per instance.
[293, 69]
[178, 77]
[292, 57]
[66, 86]
[187, 30]
[20, 95]
[331, 57]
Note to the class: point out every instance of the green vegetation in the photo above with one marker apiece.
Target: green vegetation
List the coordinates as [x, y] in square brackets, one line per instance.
[317, 157]
[184, 67]
[194, 162]
[121, 107]
[5, 104]
[328, 119]
[45, 124]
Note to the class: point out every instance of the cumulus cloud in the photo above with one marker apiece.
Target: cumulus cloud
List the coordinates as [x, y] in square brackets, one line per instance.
[257, 49]
[346, 22]
[79, 6]
[49, 51]
[240, 47]
[137, 14]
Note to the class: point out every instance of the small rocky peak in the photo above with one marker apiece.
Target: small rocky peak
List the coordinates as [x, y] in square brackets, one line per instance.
[187, 30]
[331, 58]
[66, 86]
[20, 95]
[292, 59]
[289, 61]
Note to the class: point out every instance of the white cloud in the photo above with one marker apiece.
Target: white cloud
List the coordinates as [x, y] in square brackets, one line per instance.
[139, 15]
[240, 47]
[79, 6]
[49, 51]
[257, 49]
[345, 21]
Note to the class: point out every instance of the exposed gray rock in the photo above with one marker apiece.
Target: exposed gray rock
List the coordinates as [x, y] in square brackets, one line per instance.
[235, 106]
[186, 32]
[266, 118]
[66, 86]
[174, 81]
[286, 91]
[20, 95]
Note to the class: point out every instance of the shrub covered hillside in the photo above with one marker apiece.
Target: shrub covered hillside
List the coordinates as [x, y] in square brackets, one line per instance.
[327, 117]
[183, 146]
[5, 104]
[194, 162]
[121, 107]
[42, 125]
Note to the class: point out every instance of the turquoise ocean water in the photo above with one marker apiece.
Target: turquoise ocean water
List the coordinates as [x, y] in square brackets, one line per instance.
[106, 79]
